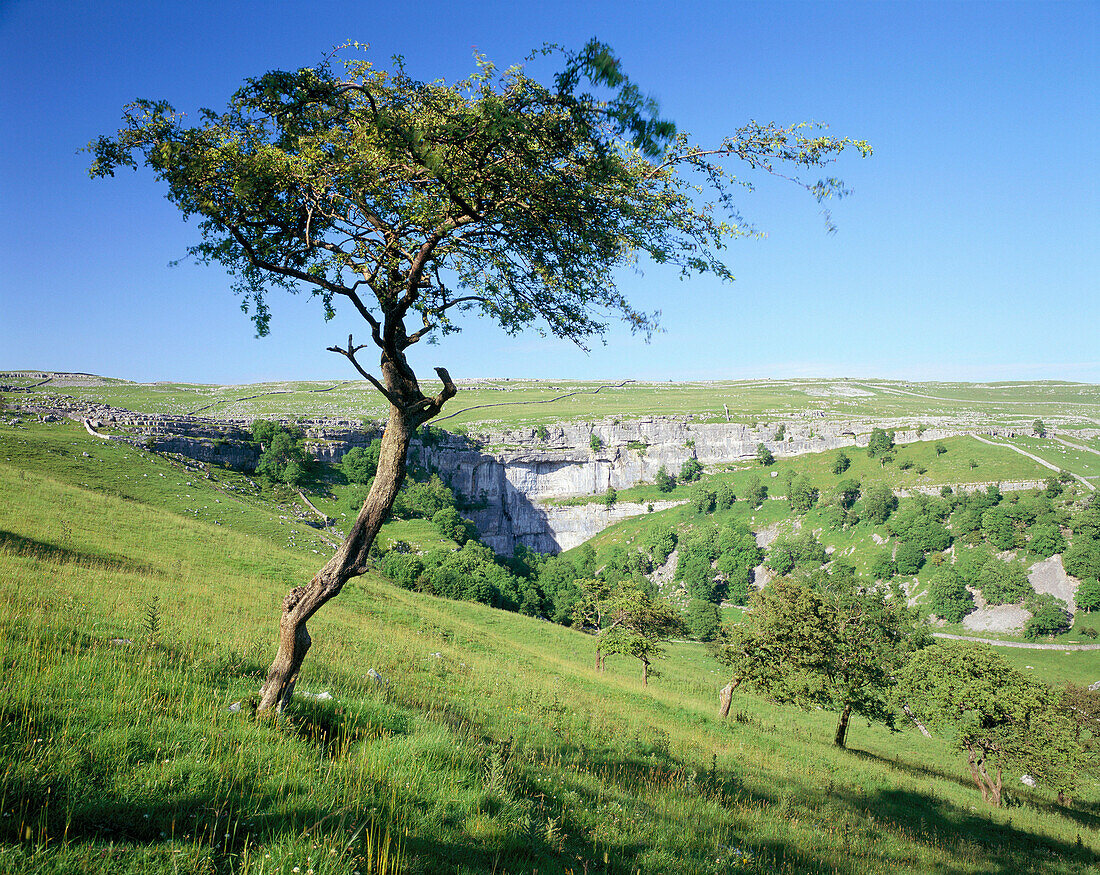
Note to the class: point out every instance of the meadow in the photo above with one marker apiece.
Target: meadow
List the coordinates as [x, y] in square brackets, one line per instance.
[134, 632]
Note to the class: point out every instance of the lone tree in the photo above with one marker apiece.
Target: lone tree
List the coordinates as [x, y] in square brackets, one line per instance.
[415, 202]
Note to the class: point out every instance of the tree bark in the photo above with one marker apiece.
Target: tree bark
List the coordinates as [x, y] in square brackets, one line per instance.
[408, 410]
[913, 717]
[645, 672]
[725, 698]
[842, 726]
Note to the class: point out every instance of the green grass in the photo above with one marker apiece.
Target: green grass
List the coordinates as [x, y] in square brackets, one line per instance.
[523, 403]
[494, 747]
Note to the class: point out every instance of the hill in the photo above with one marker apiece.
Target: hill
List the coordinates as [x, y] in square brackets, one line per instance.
[137, 604]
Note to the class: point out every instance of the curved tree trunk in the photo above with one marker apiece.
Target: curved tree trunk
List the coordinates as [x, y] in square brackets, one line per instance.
[408, 410]
[725, 697]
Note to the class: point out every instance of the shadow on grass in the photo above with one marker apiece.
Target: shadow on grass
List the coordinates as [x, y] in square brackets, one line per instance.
[50, 552]
[974, 837]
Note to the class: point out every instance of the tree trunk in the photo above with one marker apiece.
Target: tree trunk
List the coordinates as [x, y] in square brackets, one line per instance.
[913, 717]
[725, 698]
[409, 408]
[842, 726]
[645, 672]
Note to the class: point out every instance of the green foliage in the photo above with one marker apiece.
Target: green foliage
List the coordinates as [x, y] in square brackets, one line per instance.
[1088, 595]
[948, 596]
[610, 497]
[877, 503]
[1082, 558]
[838, 647]
[423, 500]
[595, 442]
[998, 716]
[764, 455]
[725, 497]
[664, 481]
[755, 492]
[842, 463]
[704, 499]
[1038, 428]
[360, 463]
[880, 443]
[1045, 539]
[690, 471]
[909, 558]
[998, 529]
[802, 495]
[702, 619]
[542, 433]
[450, 524]
[1004, 583]
[1049, 616]
[788, 552]
[283, 459]
[883, 567]
[941, 448]
[660, 541]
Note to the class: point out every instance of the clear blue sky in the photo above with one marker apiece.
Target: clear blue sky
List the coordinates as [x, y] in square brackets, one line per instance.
[969, 249]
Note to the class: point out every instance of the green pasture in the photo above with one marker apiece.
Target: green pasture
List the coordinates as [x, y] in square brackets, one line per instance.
[131, 629]
[504, 403]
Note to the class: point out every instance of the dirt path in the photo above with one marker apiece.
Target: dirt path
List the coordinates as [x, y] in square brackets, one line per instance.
[1025, 646]
[1042, 462]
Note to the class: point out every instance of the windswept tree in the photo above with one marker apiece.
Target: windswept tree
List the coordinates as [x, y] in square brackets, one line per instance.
[999, 717]
[837, 647]
[417, 202]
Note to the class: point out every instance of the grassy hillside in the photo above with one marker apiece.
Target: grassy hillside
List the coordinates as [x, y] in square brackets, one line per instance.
[533, 402]
[131, 626]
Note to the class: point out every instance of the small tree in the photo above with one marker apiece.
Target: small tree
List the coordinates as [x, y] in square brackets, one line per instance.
[360, 463]
[838, 648]
[755, 491]
[1038, 428]
[764, 455]
[595, 442]
[610, 497]
[1049, 616]
[948, 596]
[940, 448]
[664, 481]
[841, 463]
[999, 717]
[880, 443]
[415, 202]
[1088, 595]
[690, 471]
[628, 621]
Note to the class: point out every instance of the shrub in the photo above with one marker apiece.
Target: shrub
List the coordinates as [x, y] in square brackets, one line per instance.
[703, 619]
[1088, 595]
[764, 455]
[787, 553]
[1046, 540]
[725, 496]
[595, 442]
[450, 524]
[880, 443]
[690, 471]
[542, 433]
[909, 558]
[883, 566]
[755, 491]
[841, 463]
[705, 499]
[948, 596]
[1049, 617]
[360, 464]
[423, 499]
[664, 481]
[1004, 583]
[661, 541]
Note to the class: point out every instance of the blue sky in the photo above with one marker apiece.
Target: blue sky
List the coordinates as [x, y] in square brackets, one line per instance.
[968, 250]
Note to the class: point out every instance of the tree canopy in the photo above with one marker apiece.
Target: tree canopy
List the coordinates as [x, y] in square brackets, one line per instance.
[415, 202]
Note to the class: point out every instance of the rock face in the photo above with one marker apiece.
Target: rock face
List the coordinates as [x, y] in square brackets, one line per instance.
[514, 478]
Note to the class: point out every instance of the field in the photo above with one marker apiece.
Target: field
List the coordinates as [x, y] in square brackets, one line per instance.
[137, 611]
[512, 403]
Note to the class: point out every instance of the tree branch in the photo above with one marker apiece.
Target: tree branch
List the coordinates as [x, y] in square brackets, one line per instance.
[349, 354]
